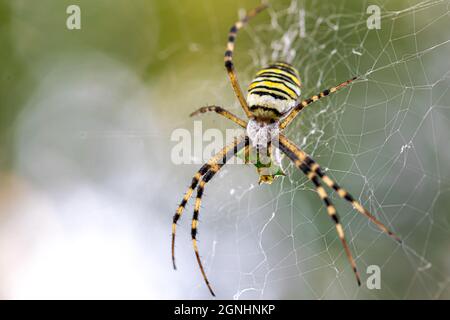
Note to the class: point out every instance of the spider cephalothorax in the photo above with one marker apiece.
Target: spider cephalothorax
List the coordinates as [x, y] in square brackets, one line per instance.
[271, 105]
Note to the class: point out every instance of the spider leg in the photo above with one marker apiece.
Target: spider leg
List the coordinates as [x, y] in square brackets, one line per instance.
[222, 112]
[247, 154]
[229, 56]
[333, 215]
[299, 107]
[200, 189]
[208, 176]
[331, 210]
[183, 203]
[291, 150]
[195, 180]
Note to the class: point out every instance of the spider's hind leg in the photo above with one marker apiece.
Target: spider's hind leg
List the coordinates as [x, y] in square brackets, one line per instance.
[228, 59]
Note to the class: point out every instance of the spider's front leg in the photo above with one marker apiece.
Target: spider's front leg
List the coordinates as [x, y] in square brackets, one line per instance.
[203, 176]
[313, 171]
[331, 209]
[220, 157]
[239, 144]
[182, 205]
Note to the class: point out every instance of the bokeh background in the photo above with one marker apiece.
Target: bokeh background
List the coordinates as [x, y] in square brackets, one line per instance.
[88, 187]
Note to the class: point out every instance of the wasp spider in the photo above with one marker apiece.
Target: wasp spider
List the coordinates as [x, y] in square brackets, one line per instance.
[272, 103]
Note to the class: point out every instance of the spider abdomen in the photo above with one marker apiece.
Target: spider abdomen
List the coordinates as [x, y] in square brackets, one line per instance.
[274, 91]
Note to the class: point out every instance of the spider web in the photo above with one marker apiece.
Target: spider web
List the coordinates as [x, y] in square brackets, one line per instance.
[382, 139]
[96, 198]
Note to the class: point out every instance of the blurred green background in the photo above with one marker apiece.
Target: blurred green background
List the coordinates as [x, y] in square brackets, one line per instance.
[88, 187]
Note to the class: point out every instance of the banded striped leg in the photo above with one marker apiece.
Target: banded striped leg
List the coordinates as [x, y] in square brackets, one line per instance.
[182, 205]
[200, 189]
[331, 210]
[329, 205]
[229, 56]
[208, 176]
[222, 112]
[342, 193]
[204, 169]
[299, 107]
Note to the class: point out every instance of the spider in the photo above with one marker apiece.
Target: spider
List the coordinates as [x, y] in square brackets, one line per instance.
[271, 105]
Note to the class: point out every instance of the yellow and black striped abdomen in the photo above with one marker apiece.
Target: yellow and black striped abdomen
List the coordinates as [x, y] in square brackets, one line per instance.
[274, 91]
